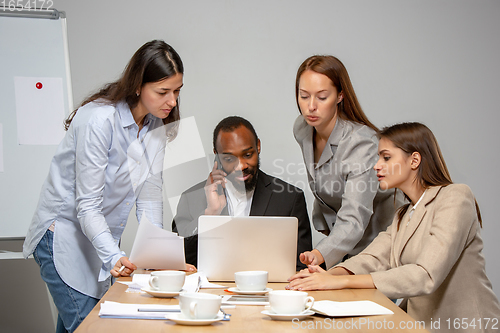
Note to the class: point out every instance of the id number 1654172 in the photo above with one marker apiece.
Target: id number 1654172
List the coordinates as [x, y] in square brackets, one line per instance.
[29, 5]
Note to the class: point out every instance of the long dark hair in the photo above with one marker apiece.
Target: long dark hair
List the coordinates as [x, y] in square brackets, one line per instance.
[152, 62]
[349, 108]
[432, 171]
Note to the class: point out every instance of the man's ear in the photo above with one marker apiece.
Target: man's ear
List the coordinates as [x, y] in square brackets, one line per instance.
[416, 158]
[258, 146]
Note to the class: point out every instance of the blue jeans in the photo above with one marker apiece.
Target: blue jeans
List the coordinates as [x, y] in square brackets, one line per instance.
[72, 305]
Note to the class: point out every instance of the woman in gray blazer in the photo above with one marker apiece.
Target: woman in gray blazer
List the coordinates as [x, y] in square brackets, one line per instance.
[431, 255]
[339, 146]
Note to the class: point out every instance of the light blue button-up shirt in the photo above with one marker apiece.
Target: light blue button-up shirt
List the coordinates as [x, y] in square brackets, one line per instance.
[101, 168]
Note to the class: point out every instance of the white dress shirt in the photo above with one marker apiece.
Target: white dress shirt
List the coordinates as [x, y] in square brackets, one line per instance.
[238, 203]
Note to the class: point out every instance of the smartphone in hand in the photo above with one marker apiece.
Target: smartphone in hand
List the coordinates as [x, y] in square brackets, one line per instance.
[220, 190]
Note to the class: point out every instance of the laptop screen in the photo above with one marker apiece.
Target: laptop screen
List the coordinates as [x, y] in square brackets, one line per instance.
[229, 244]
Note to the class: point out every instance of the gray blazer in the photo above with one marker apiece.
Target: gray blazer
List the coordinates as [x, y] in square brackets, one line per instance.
[348, 201]
[435, 261]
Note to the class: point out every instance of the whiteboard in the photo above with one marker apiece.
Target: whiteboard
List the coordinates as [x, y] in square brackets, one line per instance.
[29, 47]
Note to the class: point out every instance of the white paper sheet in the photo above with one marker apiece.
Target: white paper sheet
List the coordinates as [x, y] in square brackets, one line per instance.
[157, 248]
[192, 282]
[186, 147]
[131, 311]
[349, 309]
[1, 148]
[40, 110]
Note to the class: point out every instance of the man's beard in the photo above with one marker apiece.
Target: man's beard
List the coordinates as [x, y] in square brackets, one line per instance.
[250, 183]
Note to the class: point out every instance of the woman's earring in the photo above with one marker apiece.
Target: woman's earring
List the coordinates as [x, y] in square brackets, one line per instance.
[137, 93]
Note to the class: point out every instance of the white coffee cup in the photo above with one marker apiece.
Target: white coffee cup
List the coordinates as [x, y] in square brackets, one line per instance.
[289, 301]
[170, 281]
[251, 280]
[199, 305]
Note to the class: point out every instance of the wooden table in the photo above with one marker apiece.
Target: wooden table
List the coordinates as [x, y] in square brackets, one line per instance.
[248, 318]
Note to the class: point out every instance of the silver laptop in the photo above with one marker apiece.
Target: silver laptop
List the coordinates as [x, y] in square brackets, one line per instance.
[228, 244]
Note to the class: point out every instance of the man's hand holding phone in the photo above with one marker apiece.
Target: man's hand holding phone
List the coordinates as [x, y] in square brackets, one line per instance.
[216, 181]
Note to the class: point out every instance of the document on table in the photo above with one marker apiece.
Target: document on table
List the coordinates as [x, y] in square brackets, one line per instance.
[136, 311]
[156, 248]
[349, 309]
[139, 311]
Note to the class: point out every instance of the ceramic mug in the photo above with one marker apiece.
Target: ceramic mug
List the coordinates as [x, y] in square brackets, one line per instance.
[251, 280]
[199, 305]
[289, 301]
[169, 281]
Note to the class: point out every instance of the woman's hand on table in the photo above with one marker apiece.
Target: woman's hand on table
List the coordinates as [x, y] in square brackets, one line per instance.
[306, 272]
[314, 278]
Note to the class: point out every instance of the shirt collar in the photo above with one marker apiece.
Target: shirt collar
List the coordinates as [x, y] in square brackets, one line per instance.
[337, 132]
[235, 199]
[237, 195]
[125, 114]
[421, 197]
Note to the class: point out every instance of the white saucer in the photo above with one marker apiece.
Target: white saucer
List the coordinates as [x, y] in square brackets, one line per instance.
[249, 292]
[178, 318]
[278, 316]
[159, 293]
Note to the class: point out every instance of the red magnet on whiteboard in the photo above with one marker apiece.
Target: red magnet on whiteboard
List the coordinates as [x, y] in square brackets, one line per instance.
[39, 85]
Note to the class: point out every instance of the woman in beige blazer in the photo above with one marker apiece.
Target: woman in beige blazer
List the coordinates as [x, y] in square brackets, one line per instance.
[339, 146]
[431, 255]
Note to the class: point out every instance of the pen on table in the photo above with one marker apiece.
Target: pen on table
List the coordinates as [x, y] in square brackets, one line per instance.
[158, 310]
[176, 310]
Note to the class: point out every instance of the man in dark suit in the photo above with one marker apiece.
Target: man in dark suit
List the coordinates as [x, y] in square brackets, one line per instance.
[237, 187]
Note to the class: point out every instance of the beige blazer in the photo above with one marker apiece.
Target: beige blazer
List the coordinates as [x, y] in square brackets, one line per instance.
[435, 262]
[348, 201]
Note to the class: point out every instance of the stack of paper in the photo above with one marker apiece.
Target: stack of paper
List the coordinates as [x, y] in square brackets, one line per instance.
[136, 311]
[349, 309]
[141, 311]
[138, 282]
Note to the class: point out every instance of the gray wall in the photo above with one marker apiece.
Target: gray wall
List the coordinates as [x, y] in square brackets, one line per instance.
[429, 61]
